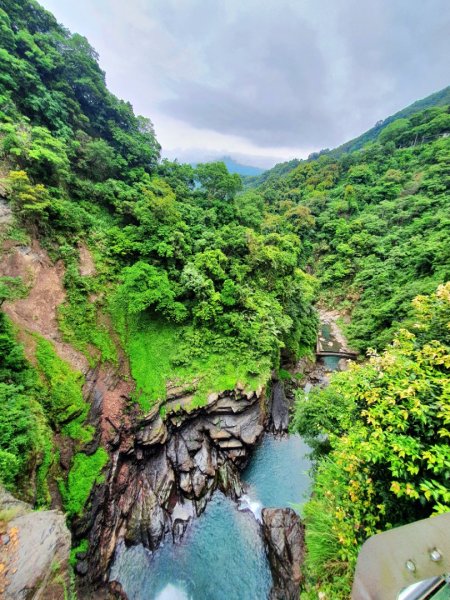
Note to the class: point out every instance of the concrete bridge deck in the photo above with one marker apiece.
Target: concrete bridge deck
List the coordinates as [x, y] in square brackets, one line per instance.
[341, 354]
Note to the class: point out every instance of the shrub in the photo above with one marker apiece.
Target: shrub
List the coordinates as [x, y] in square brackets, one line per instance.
[84, 473]
[387, 427]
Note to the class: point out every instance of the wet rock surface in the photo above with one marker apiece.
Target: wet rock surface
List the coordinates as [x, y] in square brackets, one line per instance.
[279, 409]
[284, 537]
[34, 552]
[164, 472]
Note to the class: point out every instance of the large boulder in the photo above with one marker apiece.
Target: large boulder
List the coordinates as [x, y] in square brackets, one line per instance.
[284, 537]
[280, 408]
[34, 552]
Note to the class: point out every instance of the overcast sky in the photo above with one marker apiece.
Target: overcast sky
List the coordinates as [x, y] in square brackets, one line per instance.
[264, 80]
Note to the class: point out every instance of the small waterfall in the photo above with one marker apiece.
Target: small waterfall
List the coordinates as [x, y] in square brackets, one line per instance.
[170, 592]
[246, 503]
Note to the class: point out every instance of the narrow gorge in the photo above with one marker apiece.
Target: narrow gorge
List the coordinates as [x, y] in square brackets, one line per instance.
[213, 385]
[234, 453]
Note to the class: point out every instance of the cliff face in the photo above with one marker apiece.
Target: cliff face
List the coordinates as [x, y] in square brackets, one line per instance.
[164, 471]
[106, 387]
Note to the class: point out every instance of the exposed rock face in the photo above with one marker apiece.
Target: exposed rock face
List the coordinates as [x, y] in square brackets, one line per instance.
[165, 471]
[34, 552]
[284, 537]
[280, 409]
[6, 216]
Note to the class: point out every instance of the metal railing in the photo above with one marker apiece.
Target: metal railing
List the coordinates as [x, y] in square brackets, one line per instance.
[408, 562]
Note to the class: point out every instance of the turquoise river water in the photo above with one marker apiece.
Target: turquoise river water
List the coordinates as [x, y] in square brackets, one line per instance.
[222, 555]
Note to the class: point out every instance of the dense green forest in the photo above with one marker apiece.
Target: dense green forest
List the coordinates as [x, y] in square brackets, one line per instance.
[199, 281]
[201, 278]
[381, 221]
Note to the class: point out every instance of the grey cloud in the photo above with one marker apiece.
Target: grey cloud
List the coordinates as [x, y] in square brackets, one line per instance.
[269, 121]
[265, 80]
[276, 73]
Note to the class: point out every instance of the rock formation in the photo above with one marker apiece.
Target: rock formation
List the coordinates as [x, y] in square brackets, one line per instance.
[34, 552]
[280, 409]
[164, 471]
[284, 537]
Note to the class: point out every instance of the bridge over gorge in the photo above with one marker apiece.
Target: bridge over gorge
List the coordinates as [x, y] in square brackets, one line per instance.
[330, 341]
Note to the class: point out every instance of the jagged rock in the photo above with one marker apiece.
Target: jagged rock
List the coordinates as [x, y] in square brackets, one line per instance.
[252, 426]
[280, 408]
[186, 483]
[229, 404]
[150, 416]
[178, 453]
[219, 434]
[284, 535]
[161, 477]
[193, 434]
[231, 444]
[153, 433]
[198, 483]
[206, 459]
[36, 555]
[147, 523]
[183, 403]
[208, 490]
[229, 481]
[236, 454]
[246, 427]
[212, 398]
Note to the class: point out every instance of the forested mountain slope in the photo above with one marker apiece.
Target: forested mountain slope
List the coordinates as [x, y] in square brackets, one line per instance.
[381, 221]
[440, 98]
[156, 263]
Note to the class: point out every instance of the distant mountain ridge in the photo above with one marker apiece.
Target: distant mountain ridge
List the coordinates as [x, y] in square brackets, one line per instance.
[235, 167]
[440, 98]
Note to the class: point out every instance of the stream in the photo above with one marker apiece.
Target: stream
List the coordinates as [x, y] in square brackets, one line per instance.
[222, 556]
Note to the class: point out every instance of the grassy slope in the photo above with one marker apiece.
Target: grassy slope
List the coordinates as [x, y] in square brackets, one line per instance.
[154, 345]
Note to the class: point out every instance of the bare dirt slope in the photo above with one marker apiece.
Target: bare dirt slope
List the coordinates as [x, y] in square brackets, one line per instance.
[107, 387]
[37, 313]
